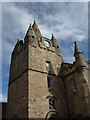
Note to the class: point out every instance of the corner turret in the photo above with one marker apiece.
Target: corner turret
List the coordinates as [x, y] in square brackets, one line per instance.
[54, 42]
[36, 30]
[79, 56]
[56, 45]
[30, 36]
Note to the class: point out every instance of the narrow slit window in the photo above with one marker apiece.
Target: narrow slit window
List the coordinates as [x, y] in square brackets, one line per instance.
[51, 103]
[74, 85]
[48, 65]
[49, 83]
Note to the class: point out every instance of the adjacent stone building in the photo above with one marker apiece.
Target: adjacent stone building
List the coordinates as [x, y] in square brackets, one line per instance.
[42, 85]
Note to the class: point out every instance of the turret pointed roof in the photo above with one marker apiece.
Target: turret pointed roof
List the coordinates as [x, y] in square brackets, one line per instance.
[56, 45]
[54, 42]
[30, 31]
[36, 29]
[76, 49]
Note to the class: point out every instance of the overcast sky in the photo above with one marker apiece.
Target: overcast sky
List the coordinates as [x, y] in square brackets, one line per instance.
[67, 21]
[45, 0]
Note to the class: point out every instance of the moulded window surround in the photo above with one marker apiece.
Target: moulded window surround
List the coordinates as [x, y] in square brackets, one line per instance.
[51, 103]
[74, 86]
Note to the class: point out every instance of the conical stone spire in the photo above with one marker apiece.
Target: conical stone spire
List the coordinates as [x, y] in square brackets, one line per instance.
[36, 29]
[30, 37]
[30, 32]
[77, 49]
[56, 45]
[80, 62]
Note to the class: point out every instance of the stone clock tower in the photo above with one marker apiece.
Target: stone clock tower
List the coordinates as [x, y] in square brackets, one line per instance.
[42, 85]
[36, 89]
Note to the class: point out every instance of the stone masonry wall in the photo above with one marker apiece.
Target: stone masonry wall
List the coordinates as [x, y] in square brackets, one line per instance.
[17, 90]
[17, 98]
[76, 99]
[38, 100]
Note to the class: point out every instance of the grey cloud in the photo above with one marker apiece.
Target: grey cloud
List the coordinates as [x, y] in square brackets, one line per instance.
[67, 21]
[45, 0]
[3, 98]
[15, 23]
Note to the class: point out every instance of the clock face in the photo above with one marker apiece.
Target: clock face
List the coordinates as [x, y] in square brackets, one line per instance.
[47, 44]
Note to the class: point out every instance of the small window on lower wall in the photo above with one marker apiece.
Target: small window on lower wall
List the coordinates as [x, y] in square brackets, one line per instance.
[51, 103]
[49, 83]
[74, 85]
[48, 65]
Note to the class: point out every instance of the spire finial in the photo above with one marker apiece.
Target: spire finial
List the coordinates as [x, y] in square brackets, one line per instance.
[75, 42]
[34, 21]
[53, 38]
